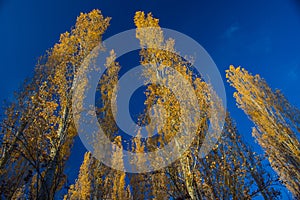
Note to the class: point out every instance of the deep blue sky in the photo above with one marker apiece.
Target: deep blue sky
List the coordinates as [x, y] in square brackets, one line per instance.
[261, 35]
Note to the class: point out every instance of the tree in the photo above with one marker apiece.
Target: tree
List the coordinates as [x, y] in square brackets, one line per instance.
[83, 187]
[40, 129]
[66, 57]
[277, 124]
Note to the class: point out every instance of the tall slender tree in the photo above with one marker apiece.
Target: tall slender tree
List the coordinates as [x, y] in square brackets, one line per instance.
[277, 124]
[39, 128]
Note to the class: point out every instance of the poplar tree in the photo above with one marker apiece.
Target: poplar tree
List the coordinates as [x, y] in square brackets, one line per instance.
[39, 128]
[276, 123]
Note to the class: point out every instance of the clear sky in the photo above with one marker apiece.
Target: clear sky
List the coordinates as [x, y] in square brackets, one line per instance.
[263, 36]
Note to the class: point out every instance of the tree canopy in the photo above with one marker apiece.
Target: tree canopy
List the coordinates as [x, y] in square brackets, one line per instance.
[38, 131]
